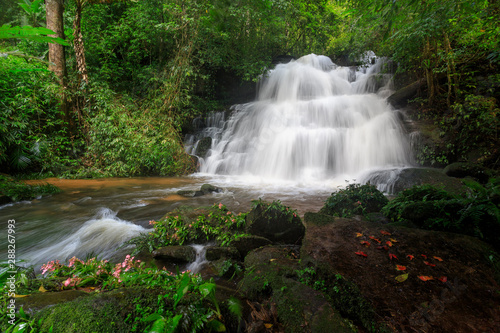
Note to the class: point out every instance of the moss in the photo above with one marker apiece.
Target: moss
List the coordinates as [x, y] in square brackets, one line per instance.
[114, 311]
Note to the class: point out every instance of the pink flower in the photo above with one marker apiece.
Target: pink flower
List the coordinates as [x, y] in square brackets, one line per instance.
[220, 206]
[67, 282]
[228, 213]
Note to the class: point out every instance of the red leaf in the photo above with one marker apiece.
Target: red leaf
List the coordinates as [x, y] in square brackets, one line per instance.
[382, 248]
[389, 243]
[425, 278]
[443, 279]
[373, 238]
[383, 232]
[365, 243]
[392, 256]
[361, 253]
[423, 255]
[410, 256]
[437, 258]
[400, 268]
[429, 264]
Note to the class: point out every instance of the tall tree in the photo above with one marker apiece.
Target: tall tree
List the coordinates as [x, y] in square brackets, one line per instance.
[57, 58]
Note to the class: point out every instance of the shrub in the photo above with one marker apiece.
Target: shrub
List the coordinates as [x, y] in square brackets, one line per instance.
[355, 199]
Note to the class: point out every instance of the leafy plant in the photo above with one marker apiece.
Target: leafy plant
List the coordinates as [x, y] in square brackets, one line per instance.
[355, 199]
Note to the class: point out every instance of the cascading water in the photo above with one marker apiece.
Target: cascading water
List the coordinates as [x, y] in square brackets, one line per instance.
[312, 121]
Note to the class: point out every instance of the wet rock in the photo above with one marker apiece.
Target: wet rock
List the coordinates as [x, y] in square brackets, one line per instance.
[246, 244]
[419, 176]
[5, 200]
[190, 193]
[215, 253]
[207, 188]
[275, 224]
[463, 170]
[204, 146]
[401, 97]
[175, 253]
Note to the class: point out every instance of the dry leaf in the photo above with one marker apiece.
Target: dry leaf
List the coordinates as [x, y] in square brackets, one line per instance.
[361, 253]
[400, 268]
[358, 234]
[383, 232]
[392, 256]
[437, 258]
[425, 278]
[410, 256]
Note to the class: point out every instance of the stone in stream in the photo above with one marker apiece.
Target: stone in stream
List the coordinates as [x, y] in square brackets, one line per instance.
[175, 254]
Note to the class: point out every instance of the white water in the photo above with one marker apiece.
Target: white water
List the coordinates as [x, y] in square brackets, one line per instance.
[200, 260]
[101, 236]
[313, 123]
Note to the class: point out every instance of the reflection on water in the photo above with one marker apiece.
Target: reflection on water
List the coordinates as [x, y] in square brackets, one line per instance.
[96, 216]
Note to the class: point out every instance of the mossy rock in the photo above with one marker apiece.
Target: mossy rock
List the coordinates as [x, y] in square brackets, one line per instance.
[203, 147]
[111, 312]
[208, 188]
[245, 244]
[39, 301]
[271, 274]
[463, 170]
[276, 223]
[317, 219]
[175, 254]
[216, 252]
[427, 176]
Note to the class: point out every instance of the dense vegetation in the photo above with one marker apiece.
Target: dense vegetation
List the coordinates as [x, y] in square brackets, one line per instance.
[138, 72]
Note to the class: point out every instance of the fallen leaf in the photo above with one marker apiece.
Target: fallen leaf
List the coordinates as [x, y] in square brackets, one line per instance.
[383, 232]
[392, 256]
[443, 279]
[425, 278]
[358, 234]
[365, 243]
[42, 289]
[382, 248]
[375, 239]
[410, 256]
[268, 325]
[400, 268]
[361, 253]
[389, 243]
[401, 278]
[393, 240]
[429, 264]
[437, 258]
[19, 296]
[423, 255]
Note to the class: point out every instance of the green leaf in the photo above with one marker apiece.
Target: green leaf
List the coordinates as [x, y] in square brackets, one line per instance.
[207, 289]
[158, 326]
[216, 326]
[234, 306]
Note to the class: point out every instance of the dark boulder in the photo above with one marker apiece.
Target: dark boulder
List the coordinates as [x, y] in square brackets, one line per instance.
[463, 170]
[175, 254]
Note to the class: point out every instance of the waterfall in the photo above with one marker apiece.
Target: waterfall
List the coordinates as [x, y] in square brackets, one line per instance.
[312, 121]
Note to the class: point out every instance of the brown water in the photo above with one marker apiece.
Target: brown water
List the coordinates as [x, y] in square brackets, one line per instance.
[97, 215]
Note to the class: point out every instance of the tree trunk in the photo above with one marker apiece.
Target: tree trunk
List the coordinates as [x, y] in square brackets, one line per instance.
[57, 58]
[428, 73]
[78, 43]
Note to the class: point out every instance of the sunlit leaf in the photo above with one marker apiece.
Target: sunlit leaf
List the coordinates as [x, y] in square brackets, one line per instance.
[401, 278]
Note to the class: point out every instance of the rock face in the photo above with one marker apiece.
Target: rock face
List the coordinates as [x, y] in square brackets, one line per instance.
[203, 146]
[275, 224]
[459, 294]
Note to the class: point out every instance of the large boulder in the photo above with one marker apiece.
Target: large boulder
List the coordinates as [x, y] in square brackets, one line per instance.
[463, 170]
[245, 244]
[443, 282]
[275, 222]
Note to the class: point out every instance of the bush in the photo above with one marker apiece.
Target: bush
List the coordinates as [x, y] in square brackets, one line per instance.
[476, 213]
[17, 191]
[355, 199]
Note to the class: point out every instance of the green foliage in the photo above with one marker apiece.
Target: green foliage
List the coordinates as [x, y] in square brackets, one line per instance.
[355, 199]
[476, 214]
[18, 191]
[275, 210]
[217, 225]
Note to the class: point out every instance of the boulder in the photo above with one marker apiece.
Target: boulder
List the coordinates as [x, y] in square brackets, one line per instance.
[175, 254]
[190, 193]
[276, 224]
[208, 188]
[419, 176]
[463, 170]
[248, 243]
[215, 253]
